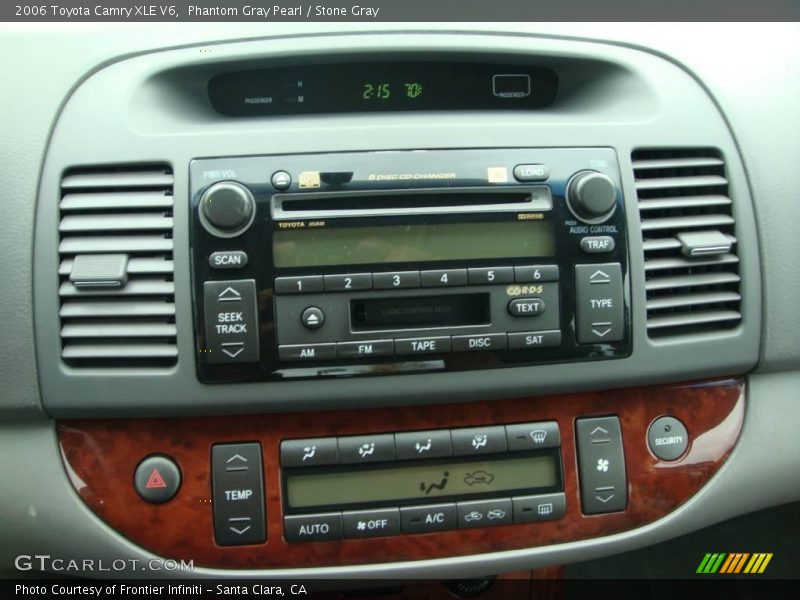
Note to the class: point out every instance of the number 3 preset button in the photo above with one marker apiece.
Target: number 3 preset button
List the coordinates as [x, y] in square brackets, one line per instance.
[345, 283]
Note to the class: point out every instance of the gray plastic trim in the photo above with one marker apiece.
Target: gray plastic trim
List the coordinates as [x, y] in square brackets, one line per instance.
[124, 113]
[44, 515]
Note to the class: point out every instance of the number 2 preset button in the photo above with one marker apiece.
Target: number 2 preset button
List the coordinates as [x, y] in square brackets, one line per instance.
[298, 285]
[345, 283]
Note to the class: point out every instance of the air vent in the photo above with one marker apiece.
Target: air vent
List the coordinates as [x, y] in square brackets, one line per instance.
[116, 271]
[691, 267]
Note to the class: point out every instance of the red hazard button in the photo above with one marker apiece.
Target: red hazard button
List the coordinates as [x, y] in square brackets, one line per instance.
[157, 478]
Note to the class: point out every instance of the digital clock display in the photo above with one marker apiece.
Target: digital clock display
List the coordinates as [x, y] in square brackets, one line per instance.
[382, 86]
[384, 90]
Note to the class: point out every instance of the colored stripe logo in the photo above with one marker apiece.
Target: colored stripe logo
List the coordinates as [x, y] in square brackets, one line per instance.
[734, 563]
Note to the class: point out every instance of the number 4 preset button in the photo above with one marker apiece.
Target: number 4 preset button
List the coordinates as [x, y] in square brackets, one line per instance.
[444, 278]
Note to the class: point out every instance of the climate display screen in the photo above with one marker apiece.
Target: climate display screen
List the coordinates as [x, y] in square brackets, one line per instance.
[381, 244]
[419, 482]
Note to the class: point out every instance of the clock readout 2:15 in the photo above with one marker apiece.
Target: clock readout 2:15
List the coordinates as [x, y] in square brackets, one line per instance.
[383, 91]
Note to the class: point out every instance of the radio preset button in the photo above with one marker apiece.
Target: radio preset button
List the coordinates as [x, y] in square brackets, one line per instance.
[484, 513]
[312, 452]
[371, 523]
[313, 528]
[533, 436]
[545, 507]
[478, 440]
[526, 307]
[425, 519]
[298, 285]
[365, 349]
[533, 339]
[357, 449]
[597, 244]
[444, 278]
[281, 180]
[531, 173]
[230, 259]
[431, 345]
[536, 273]
[312, 317]
[395, 280]
[348, 282]
[478, 343]
[307, 352]
[490, 275]
[412, 445]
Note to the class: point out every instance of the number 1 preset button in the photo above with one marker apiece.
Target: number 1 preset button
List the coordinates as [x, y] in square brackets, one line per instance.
[348, 282]
[307, 284]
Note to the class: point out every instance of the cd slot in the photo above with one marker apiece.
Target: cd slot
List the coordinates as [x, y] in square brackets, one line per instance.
[326, 205]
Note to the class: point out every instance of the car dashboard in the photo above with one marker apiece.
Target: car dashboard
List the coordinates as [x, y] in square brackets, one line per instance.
[400, 303]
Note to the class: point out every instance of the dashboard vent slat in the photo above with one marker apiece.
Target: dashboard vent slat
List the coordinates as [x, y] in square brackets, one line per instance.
[94, 245]
[115, 222]
[681, 182]
[125, 212]
[691, 285]
[110, 201]
[87, 309]
[158, 178]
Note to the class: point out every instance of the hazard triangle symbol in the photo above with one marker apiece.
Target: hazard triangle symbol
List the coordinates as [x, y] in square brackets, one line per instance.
[155, 480]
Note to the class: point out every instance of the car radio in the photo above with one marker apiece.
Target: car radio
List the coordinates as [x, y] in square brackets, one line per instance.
[368, 263]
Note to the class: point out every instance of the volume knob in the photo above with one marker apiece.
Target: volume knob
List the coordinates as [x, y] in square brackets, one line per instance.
[227, 209]
[591, 196]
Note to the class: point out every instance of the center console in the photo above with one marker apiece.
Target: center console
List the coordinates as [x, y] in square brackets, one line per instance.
[339, 265]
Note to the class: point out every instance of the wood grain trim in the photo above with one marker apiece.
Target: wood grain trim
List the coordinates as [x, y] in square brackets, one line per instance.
[100, 458]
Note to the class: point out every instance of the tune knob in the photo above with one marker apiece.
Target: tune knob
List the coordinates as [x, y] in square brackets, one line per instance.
[591, 196]
[227, 209]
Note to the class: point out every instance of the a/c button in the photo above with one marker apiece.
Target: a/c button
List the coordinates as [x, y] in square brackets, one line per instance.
[424, 519]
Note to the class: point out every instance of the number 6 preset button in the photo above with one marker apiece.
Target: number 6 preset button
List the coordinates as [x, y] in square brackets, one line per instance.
[348, 282]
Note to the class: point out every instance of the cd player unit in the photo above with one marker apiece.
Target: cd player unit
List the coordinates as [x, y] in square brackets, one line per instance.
[371, 263]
